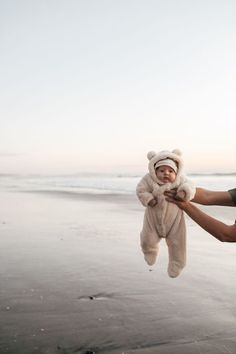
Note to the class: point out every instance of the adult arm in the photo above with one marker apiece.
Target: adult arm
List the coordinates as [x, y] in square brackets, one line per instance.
[221, 231]
[206, 197]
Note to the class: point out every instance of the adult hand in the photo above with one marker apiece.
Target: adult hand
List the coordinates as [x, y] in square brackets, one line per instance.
[173, 197]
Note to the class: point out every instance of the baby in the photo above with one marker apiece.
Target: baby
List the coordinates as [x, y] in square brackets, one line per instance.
[163, 219]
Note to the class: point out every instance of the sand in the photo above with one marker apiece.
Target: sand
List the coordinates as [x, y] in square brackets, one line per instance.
[73, 280]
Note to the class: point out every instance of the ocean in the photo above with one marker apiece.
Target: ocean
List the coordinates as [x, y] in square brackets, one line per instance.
[102, 183]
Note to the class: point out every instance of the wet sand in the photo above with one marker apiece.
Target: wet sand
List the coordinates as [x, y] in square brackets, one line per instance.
[73, 280]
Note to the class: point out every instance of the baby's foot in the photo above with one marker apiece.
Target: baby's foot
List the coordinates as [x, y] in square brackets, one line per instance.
[150, 258]
[174, 270]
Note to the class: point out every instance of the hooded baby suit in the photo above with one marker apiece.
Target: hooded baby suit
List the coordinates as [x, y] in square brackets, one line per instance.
[164, 220]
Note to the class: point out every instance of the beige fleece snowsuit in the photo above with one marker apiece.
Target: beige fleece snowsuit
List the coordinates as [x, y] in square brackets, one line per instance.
[164, 220]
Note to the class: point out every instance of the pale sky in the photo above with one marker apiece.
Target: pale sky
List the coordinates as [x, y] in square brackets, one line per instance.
[96, 84]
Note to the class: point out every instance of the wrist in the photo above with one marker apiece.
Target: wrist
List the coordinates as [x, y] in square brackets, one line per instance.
[188, 207]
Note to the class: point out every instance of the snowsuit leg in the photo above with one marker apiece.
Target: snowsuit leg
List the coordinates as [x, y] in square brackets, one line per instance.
[150, 247]
[176, 242]
[149, 239]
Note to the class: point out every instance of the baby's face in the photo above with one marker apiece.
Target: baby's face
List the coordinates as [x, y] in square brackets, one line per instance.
[165, 174]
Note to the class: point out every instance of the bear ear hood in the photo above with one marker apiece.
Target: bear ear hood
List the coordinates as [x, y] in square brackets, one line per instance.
[174, 155]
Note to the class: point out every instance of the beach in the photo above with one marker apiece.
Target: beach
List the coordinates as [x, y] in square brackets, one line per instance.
[73, 280]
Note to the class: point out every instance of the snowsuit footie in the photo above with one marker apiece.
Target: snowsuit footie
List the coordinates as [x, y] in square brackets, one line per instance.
[164, 220]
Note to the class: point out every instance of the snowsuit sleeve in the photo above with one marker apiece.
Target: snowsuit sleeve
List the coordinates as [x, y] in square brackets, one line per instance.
[188, 187]
[144, 191]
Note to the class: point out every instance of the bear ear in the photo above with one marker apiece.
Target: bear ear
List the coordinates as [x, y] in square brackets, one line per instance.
[151, 154]
[177, 152]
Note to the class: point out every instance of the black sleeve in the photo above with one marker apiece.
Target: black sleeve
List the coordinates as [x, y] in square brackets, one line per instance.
[233, 194]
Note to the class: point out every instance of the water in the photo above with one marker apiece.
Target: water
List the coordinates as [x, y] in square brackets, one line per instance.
[102, 183]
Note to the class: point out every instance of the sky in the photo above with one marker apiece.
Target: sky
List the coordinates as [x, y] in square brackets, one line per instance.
[93, 85]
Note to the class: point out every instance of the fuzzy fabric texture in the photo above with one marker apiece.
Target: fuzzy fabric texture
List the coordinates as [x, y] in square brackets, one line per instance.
[164, 220]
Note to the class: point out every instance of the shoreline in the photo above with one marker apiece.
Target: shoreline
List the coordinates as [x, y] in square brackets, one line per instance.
[223, 212]
[116, 197]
